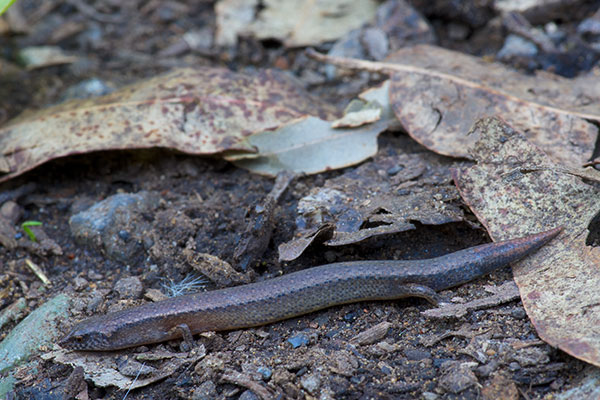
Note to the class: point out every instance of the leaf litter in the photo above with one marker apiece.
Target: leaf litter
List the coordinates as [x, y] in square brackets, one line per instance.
[382, 197]
[308, 145]
[437, 94]
[196, 111]
[516, 189]
[295, 23]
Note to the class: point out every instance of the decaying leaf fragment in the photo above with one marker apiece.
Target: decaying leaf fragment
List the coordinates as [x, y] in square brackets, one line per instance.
[437, 95]
[308, 145]
[105, 370]
[382, 197]
[196, 111]
[515, 189]
[294, 22]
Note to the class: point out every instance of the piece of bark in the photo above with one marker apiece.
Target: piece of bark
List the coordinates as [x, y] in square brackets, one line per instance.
[256, 237]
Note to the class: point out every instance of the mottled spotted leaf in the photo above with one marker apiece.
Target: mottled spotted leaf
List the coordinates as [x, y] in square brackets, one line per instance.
[438, 94]
[196, 111]
[516, 189]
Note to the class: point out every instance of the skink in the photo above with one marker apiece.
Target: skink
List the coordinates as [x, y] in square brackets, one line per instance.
[296, 294]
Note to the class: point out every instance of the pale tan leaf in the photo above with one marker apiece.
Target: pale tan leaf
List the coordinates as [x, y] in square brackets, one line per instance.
[309, 145]
[196, 111]
[516, 189]
[309, 22]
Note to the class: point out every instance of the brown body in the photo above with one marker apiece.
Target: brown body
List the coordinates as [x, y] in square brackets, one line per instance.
[296, 294]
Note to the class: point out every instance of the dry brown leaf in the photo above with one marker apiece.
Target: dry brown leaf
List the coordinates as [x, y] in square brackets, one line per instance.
[309, 22]
[196, 111]
[515, 189]
[438, 94]
[102, 369]
[291, 250]
[378, 198]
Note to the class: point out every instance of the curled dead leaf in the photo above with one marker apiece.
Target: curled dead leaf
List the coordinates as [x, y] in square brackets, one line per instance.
[196, 111]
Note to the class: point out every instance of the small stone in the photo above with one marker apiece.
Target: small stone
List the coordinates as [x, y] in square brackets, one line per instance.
[94, 276]
[416, 355]
[310, 383]
[483, 371]
[457, 377]
[514, 366]
[375, 43]
[516, 46]
[11, 212]
[206, 390]
[248, 395]
[394, 170]
[532, 356]
[265, 373]
[387, 347]
[300, 339]
[104, 225]
[518, 313]
[94, 302]
[429, 396]
[80, 283]
[155, 295]
[344, 364]
[129, 288]
[124, 235]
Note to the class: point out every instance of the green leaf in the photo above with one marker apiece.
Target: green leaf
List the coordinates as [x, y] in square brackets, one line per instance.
[25, 225]
[4, 4]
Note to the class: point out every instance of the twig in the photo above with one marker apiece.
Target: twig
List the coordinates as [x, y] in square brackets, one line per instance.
[240, 379]
[392, 68]
[37, 271]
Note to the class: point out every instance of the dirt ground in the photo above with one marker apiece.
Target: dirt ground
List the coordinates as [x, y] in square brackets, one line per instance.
[204, 203]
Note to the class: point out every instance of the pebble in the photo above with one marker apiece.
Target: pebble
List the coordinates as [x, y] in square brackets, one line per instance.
[310, 383]
[265, 372]
[94, 302]
[375, 43]
[429, 396]
[125, 235]
[94, 276]
[300, 339]
[532, 356]
[85, 89]
[457, 377]
[129, 288]
[207, 390]
[514, 366]
[11, 211]
[516, 46]
[248, 395]
[115, 225]
[416, 355]
[80, 283]
[518, 313]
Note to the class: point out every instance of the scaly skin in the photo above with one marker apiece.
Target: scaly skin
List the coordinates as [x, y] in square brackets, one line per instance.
[296, 294]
